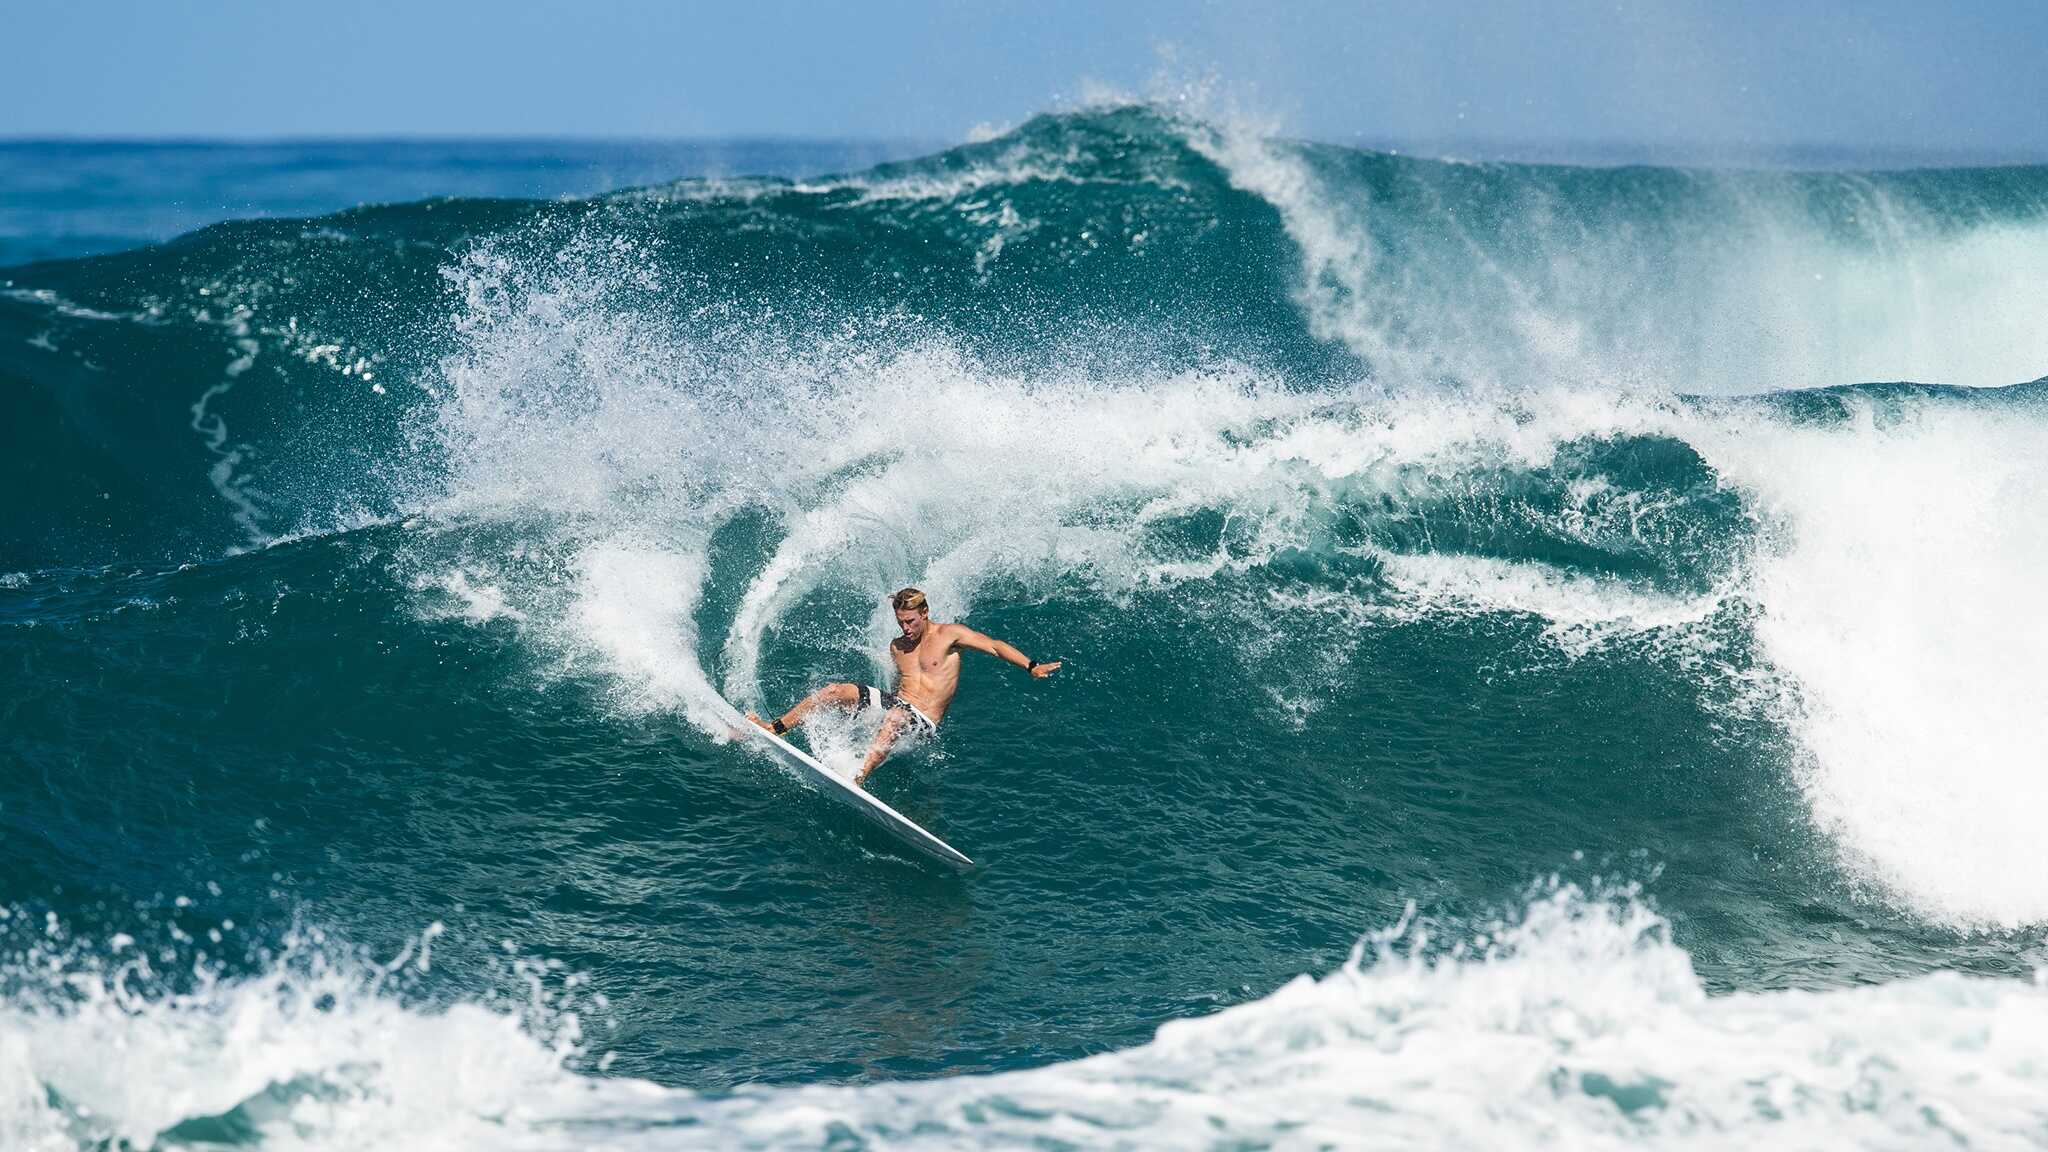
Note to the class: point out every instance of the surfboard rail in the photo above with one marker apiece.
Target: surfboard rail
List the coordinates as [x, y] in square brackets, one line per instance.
[846, 791]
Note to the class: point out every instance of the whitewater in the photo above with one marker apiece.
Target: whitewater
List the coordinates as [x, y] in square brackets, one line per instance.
[1554, 659]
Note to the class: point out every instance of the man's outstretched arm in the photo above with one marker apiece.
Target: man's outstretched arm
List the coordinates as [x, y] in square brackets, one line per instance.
[968, 638]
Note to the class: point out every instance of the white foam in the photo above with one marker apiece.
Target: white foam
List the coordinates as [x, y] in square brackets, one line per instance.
[1579, 612]
[635, 606]
[58, 304]
[1901, 586]
[1772, 296]
[1329, 231]
[314, 1053]
[214, 429]
[478, 603]
[968, 187]
[1581, 1026]
[1577, 1024]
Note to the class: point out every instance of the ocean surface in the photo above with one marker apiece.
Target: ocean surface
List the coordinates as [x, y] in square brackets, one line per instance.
[62, 198]
[1555, 656]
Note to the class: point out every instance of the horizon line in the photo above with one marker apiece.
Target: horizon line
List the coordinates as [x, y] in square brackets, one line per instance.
[1598, 151]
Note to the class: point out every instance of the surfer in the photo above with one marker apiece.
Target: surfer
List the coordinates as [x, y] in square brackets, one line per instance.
[927, 659]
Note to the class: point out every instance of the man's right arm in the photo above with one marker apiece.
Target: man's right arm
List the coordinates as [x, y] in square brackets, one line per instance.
[968, 638]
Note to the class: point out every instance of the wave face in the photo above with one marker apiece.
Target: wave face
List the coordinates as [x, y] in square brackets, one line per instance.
[1411, 530]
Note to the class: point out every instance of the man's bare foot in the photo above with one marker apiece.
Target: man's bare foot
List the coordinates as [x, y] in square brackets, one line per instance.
[763, 725]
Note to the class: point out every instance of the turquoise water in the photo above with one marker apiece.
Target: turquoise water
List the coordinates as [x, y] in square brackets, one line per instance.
[1528, 680]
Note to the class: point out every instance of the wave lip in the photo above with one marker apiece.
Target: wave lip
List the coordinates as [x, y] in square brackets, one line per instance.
[1114, 237]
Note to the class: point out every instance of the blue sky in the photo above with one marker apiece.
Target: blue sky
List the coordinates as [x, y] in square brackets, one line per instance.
[1964, 79]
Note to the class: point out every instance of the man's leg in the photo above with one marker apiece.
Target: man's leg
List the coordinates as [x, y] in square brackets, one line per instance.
[841, 695]
[892, 726]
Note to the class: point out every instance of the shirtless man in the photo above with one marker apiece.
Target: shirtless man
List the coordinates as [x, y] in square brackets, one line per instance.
[927, 659]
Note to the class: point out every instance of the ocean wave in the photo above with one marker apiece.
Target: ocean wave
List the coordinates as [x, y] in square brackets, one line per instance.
[1405, 526]
[1574, 1022]
[1113, 240]
[1604, 514]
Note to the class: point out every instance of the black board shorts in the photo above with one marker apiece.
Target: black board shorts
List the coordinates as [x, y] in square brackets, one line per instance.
[873, 697]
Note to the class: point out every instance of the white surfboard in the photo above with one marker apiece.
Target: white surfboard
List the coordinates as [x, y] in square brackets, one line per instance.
[846, 791]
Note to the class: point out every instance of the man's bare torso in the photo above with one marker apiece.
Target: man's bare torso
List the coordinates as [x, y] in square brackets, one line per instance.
[927, 659]
[928, 672]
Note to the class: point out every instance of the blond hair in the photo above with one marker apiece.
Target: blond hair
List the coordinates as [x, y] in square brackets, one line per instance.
[910, 600]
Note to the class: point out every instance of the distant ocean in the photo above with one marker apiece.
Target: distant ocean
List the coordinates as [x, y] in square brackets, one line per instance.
[1554, 655]
[67, 198]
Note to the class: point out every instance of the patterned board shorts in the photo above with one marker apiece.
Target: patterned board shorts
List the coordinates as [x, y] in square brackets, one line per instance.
[873, 697]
